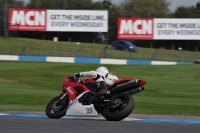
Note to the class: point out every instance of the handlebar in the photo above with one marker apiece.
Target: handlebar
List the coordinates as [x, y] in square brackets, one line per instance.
[78, 80]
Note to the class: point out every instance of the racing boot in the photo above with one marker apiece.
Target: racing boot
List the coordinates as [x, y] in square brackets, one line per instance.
[103, 89]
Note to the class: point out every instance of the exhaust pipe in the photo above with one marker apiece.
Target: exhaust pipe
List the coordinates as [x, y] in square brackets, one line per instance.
[134, 91]
[126, 85]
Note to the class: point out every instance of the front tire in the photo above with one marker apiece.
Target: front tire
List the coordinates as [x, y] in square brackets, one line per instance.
[55, 109]
[121, 110]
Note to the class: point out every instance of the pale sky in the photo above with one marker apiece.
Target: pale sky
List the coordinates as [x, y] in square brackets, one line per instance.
[177, 3]
[173, 6]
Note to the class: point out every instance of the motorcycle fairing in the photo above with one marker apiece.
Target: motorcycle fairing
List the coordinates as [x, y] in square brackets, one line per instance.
[77, 109]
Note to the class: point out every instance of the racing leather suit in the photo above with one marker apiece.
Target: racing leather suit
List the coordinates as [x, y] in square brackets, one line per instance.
[101, 81]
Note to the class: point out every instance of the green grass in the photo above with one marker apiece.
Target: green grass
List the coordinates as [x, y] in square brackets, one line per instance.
[29, 86]
[15, 46]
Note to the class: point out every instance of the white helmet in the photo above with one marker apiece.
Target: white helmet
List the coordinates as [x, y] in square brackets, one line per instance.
[103, 71]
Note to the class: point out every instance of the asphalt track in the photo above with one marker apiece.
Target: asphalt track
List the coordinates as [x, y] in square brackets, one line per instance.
[33, 123]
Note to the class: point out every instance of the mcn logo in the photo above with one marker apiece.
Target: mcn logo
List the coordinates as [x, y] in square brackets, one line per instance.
[27, 19]
[135, 28]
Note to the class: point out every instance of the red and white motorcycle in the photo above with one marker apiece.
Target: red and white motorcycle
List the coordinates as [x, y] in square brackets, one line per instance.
[81, 99]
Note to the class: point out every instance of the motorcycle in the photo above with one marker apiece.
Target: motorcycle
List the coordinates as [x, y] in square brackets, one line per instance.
[80, 97]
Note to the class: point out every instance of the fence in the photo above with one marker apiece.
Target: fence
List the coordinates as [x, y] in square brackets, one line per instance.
[31, 47]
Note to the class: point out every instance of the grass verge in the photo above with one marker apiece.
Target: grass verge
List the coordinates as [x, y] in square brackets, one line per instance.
[29, 86]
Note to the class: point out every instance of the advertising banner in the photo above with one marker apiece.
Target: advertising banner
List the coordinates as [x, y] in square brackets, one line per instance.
[158, 29]
[177, 29]
[58, 20]
[27, 19]
[134, 28]
[77, 20]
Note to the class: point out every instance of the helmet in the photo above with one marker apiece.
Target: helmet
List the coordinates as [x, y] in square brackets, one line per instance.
[103, 71]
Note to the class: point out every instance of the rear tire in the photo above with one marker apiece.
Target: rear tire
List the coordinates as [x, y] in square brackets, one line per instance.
[121, 111]
[56, 110]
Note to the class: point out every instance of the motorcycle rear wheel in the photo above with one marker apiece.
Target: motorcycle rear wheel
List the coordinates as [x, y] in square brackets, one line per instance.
[121, 110]
[56, 110]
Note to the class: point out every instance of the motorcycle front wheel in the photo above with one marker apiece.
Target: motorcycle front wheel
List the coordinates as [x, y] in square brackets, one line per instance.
[56, 108]
[123, 108]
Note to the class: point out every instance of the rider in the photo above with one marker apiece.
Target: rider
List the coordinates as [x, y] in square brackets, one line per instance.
[102, 78]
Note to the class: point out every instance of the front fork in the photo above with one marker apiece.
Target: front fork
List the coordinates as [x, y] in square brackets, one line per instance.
[62, 99]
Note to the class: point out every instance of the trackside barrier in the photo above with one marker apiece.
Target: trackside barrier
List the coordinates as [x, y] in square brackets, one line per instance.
[87, 60]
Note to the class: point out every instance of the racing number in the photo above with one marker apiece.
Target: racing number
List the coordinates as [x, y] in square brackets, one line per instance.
[88, 110]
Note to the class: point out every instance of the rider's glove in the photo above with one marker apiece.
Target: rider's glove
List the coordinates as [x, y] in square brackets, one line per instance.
[77, 75]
